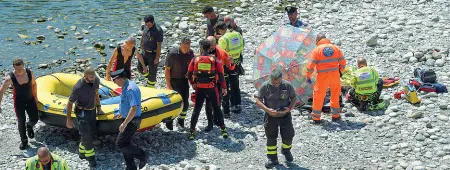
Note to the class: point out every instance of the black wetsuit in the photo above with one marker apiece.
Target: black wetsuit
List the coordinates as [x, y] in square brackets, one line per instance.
[24, 101]
[120, 64]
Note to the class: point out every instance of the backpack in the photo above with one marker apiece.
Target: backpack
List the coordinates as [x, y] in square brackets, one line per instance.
[427, 88]
[426, 76]
[205, 71]
[440, 88]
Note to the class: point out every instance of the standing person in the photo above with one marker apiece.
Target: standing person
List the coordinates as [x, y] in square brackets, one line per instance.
[227, 61]
[211, 18]
[130, 109]
[45, 160]
[177, 63]
[151, 42]
[122, 57]
[277, 97]
[204, 73]
[87, 102]
[233, 43]
[329, 62]
[294, 20]
[25, 99]
[229, 20]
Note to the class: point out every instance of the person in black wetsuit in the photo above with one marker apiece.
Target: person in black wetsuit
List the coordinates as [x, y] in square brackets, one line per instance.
[122, 57]
[25, 99]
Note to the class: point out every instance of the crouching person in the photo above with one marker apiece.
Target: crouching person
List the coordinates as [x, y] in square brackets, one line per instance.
[45, 160]
[277, 97]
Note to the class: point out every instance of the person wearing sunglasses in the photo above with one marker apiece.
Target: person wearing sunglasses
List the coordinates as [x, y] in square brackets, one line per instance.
[151, 42]
[25, 99]
[294, 20]
[45, 160]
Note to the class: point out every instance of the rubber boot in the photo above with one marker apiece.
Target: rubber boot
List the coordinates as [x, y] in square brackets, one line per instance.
[143, 161]
[288, 155]
[272, 162]
[30, 132]
[169, 125]
[23, 145]
[180, 122]
[192, 135]
[224, 132]
[335, 119]
[92, 162]
[210, 126]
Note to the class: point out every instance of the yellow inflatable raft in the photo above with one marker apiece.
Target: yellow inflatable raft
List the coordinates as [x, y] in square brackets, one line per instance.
[158, 105]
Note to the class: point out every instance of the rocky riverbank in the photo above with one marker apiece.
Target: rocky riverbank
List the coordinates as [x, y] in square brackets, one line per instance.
[395, 37]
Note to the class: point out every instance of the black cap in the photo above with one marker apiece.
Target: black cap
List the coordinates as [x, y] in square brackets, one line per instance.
[118, 74]
[290, 9]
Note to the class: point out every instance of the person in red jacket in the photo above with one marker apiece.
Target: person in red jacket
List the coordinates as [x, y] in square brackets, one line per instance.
[204, 74]
[227, 64]
[328, 61]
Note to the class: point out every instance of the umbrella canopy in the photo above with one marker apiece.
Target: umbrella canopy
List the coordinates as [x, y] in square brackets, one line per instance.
[288, 49]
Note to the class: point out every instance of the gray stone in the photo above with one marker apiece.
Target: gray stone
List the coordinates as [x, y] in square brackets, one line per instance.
[436, 55]
[446, 148]
[360, 28]
[442, 117]
[413, 60]
[420, 137]
[415, 115]
[430, 62]
[183, 25]
[418, 54]
[440, 63]
[441, 153]
[319, 6]
[372, 41]
[42, 66]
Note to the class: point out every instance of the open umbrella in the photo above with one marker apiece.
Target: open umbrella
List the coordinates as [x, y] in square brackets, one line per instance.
[288, 49]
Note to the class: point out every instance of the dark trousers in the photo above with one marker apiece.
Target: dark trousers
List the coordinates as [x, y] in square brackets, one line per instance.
[149, 60]
[223, 100]
[201, 95]
[235, 91]
[182, 86]
[20, 106]
[282, 124]
[123, 143]
[87, 126]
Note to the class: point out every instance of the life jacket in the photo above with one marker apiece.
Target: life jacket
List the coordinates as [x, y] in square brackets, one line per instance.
[232, 43]
[205, 71]
[366, 80]
[56, 163]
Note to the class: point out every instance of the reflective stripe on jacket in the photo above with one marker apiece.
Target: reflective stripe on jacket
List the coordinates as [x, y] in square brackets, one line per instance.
[326, 57]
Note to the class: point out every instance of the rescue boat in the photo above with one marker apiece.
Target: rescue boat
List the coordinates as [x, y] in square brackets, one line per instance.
[158, 105]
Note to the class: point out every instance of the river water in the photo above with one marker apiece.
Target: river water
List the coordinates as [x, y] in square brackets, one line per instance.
[103, 19]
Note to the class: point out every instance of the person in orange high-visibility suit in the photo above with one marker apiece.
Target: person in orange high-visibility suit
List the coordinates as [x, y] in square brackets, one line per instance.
[328, 61]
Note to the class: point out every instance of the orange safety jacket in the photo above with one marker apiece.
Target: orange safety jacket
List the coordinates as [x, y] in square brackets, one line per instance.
[223, 56]
[326, 57]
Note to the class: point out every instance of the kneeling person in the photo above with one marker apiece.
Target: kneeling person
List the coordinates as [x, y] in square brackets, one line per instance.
[366, 82]
[277, 97]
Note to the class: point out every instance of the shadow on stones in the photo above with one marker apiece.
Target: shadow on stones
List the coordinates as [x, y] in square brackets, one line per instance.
[232, 144]
[163, 147]
[342, 125]
[250, 115]
[291, 165]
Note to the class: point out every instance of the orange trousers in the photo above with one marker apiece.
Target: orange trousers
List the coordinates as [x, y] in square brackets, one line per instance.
[323, 82]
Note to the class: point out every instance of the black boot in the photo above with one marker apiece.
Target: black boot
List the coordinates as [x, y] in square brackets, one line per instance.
[317, 122]
[272, 162]
[92, 162]
[180, 122]
[288, 155]
[169, 125]
[23, 145]
[30, 132]
[209, 127]
[143, 161]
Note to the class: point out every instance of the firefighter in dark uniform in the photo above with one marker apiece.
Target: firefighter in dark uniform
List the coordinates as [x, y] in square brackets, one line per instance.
[211, 21]
[277, 97]
[87, 106]
[294, 20]
[204, 73]
[177, 62]
[151, 42]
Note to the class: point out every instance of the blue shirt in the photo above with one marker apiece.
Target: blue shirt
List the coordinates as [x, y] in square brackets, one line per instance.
[298, 24]
[131, 96]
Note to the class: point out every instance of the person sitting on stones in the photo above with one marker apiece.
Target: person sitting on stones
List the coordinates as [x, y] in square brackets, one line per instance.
[44, 160]
[365, 82]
